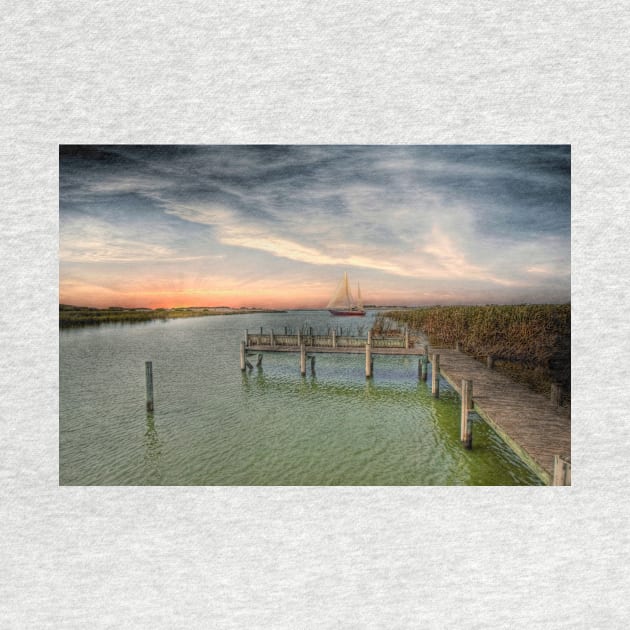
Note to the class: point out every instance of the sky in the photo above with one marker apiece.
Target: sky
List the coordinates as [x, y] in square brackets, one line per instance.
[276, 226]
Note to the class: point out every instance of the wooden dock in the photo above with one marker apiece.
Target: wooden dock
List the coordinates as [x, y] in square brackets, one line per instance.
[533, 426]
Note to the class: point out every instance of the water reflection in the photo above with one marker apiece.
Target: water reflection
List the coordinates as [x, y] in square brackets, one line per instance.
[152, 451]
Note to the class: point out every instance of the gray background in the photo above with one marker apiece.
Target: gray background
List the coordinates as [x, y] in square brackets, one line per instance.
[305, 72]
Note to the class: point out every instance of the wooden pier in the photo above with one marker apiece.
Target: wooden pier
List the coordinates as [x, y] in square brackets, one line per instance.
[536, 428]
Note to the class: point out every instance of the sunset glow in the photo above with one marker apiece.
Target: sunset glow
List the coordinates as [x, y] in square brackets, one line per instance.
[276, 226]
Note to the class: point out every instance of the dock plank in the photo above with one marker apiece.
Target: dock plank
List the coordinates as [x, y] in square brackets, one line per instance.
[534, 428]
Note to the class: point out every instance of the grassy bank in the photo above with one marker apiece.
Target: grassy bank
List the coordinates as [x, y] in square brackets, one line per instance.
[531, 343]
[71, 316]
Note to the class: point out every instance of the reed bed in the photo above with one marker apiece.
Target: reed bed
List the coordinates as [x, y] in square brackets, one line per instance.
[531, 342]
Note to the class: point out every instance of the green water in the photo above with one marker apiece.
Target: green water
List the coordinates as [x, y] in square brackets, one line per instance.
[214, 425]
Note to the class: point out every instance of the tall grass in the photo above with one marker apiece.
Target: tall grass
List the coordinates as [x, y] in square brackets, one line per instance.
[531, 342]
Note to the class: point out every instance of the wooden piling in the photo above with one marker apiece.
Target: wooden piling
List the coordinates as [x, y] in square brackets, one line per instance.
[302, 359]
[313, 365]
[149, 381]
[490, 362]
[334, 338]
[561, 472]
[368, 361]
[242, 356]
[467, 405]
[556, 395]
[406, 337]
[273, 340]
[369, 339]
[435, 376]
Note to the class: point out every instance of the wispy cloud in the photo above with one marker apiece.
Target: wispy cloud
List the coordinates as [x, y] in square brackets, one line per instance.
[414, 218]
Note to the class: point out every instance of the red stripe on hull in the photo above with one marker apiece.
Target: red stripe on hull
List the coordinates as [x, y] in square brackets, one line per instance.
[347, 313]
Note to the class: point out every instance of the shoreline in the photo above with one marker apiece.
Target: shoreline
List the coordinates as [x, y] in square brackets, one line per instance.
[78, 316]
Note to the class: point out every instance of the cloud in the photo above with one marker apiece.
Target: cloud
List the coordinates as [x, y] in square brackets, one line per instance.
[454, 216]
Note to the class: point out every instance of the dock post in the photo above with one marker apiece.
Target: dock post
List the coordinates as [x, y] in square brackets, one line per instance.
[302, 359]
[149, 379]
[467, 405]
[299, 338]
[334, 338]
[273, 341]
[561, 472]
[369, 339]
[490, 362]
[406, 336]
[435, 376]
[246, 337]
[242, 356]
[556, 394]
[313, 365]
[368, 361]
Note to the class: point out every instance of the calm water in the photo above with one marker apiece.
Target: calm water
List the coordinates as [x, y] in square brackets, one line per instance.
[214, 425]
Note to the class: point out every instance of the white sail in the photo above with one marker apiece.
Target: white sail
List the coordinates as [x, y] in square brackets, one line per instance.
[359, 299]
[342, 298]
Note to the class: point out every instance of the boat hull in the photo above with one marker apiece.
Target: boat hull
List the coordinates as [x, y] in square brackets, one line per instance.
[346, 313]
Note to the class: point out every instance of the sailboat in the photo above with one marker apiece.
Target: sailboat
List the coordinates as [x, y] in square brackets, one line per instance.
[343, 304]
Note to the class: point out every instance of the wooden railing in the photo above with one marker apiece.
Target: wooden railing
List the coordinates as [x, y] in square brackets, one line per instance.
[326, 341]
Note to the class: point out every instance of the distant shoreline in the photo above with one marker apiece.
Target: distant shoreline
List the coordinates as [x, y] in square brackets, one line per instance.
[76, 316]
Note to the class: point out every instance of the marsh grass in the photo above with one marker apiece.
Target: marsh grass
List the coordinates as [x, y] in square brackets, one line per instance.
[531, 343]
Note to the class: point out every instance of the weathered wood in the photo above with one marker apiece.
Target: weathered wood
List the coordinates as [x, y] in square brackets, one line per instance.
[406, 337]
[303, 360]
[561, 471]
[368, 361]
[435, 376]
[148, 368]
[534, 429]
[273, 340]
[242, 356]
[490, 362]
[556, 395]
[334, 338]
[299, 338]
[369, 337]
[467, 405]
